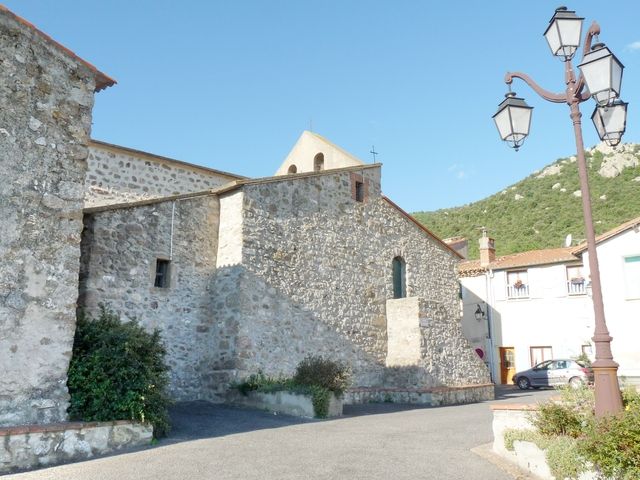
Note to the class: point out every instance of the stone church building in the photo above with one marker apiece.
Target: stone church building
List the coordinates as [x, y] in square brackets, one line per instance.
[240, 275]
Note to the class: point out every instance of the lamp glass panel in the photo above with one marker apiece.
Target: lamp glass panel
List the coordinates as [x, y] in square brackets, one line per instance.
[503, 122]
[614, 118]
[610, 122]
[570, 30]
[521, 119]
[553, 38]
[616, 76]
[597, 75]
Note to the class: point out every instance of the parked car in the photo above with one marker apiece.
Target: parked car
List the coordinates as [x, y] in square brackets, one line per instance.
[551, 373]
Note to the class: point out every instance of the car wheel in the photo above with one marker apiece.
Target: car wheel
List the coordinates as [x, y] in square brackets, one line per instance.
[575, 382]
[523, 383]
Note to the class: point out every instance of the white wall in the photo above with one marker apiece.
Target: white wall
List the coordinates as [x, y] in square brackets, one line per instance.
[308, 146]
[548, 317]
[622, 314]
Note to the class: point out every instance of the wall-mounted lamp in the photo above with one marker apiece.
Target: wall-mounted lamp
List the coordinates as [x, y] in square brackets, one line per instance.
[479, 314]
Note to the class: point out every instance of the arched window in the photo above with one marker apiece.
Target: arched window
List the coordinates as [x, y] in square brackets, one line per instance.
[292, 169]
[318, 162]
[399, 278]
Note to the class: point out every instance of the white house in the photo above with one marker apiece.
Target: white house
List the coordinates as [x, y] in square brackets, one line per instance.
[524, 308]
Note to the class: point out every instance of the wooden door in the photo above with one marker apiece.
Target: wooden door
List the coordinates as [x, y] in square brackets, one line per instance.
[507, 365]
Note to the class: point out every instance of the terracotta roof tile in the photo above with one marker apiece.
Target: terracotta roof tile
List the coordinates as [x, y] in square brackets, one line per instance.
[607, 235]
[102, 80]
[522, 259]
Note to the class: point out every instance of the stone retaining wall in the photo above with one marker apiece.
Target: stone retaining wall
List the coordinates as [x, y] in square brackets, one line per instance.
[287, 403]
[421, 396]
[526, 455]
[33, 446]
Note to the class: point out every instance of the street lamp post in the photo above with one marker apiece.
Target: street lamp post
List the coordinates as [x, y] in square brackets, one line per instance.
[601, 74]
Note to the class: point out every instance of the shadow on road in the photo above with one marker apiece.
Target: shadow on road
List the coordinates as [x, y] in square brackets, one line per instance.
[200, 419]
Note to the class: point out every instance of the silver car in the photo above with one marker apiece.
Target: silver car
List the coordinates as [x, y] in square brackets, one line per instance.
[551, 373]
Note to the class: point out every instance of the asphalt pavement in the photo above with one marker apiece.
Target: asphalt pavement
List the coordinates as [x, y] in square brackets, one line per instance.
[373, 441]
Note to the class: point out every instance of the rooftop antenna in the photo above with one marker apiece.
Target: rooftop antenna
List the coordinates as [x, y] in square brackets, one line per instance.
[568, 240]
[373, 152]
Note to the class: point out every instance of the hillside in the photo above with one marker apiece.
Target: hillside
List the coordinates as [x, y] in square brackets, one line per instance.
[539, 211]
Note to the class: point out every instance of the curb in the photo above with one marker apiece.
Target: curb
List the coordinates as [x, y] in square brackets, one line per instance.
[486, 451]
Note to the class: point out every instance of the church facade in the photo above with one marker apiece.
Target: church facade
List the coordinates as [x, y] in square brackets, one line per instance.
[240, 275]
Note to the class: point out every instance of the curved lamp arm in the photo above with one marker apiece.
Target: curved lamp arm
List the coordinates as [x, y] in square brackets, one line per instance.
[594, 30]
[546, 94]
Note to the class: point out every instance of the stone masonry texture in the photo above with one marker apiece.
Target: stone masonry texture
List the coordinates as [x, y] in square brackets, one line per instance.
[119, 252]
[45, 119]
[272, 271]
[316, 259]
[119, 175]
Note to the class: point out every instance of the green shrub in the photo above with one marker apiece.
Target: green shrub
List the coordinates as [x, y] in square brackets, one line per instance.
[315, 376]
[512, 435]
[117, 372]
[613, 444]
[557, 419]
[564, 457]
[631, 398]
[318, 371]
[562, 454]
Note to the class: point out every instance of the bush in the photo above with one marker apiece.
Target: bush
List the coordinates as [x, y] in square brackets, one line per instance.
[613, 444]
[315, 376]
[321, 372]
[569, 416]
[557, 419]
[117, 372]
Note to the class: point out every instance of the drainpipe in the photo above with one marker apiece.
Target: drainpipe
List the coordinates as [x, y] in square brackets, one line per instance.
[489, 302]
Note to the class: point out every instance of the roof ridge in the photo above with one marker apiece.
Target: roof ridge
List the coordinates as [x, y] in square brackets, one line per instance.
[102, 80]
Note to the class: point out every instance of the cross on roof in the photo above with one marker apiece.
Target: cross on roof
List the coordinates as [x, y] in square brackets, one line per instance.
[373, 152]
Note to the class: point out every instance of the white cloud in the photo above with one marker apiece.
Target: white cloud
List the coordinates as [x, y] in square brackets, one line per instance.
[634, 46]
[458, 171]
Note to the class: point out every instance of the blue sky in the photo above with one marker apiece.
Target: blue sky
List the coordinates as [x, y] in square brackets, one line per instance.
[232, 84]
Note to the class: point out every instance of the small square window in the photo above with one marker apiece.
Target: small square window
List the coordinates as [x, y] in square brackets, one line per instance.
[359, 191]
[162, 273]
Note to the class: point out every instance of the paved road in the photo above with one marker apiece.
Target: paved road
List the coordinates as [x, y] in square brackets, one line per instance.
[376, 441]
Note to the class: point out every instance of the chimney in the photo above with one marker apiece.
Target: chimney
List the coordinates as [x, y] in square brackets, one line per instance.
[487, 249]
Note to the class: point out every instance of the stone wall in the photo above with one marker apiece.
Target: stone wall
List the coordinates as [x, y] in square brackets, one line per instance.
[274, 270]
[403, 332]
[34, 446]
[119, 252]
[325, 261]
[119, 175]
[45, 120]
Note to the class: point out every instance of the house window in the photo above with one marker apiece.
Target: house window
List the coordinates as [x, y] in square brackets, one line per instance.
[292, 169]
[540, 354]
[632, 276]
[576, 284]
[517, 284]
[399, 278]
[318, 162]
[162, 273]
[587, 350]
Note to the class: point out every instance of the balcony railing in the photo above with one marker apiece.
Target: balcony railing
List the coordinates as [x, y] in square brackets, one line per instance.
[521, 291]
[576, 288]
